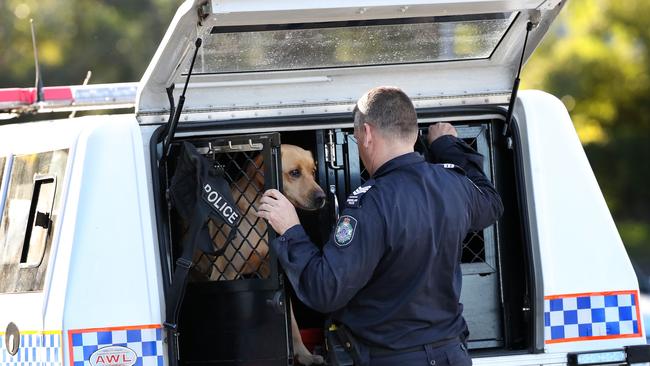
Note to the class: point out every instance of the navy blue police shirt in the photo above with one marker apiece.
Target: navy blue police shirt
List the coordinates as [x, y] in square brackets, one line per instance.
[391, 269]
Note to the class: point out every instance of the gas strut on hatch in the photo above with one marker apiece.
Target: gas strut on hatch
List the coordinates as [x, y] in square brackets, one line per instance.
[515, 86]
[181, 100]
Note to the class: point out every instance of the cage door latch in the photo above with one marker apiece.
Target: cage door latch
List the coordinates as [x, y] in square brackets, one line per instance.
[330, 152]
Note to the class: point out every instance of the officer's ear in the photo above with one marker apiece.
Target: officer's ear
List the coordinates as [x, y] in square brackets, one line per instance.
[367, 134]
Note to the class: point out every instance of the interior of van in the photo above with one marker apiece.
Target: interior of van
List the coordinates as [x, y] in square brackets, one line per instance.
[244, 318]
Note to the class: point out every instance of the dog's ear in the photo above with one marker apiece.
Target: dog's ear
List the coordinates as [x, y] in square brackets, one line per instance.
[255, 171]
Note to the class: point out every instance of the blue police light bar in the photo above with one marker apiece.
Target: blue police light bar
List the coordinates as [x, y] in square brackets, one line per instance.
[628, 355]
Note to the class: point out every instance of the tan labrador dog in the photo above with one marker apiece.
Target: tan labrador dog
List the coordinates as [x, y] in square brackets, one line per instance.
[247, 254]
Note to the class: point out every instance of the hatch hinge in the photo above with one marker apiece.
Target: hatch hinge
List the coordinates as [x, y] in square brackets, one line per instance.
[203, 11]
[550, 4]
[515, 87]
[535, 16]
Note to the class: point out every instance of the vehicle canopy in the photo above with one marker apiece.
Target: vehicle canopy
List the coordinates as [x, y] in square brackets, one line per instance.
[262, 58]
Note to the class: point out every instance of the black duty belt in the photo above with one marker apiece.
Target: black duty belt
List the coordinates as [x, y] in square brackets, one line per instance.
[382, 351]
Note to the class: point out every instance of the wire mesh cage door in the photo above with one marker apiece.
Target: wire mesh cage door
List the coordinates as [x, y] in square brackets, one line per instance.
[234, 310]
[250, 165]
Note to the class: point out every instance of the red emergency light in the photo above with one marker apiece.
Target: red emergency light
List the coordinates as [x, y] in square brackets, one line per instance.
[69, 98]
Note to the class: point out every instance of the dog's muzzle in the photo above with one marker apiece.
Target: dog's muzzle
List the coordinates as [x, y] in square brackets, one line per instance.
[319, 199]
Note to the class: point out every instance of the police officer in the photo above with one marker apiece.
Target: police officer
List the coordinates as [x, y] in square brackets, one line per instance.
[390, 273]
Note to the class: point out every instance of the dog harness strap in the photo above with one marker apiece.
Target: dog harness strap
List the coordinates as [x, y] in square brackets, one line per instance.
[179, 281]
[182, 262]
[206, 245]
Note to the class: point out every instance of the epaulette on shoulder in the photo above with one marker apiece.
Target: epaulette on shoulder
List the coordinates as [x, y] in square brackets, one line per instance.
[354, 199]
[453, 167]
[460, 170]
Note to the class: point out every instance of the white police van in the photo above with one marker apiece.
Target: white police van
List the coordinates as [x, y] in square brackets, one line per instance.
[89, 241]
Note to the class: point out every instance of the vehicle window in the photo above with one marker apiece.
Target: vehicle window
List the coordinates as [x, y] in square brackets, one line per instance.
[351, 43]
[29, 218]
[39, 221]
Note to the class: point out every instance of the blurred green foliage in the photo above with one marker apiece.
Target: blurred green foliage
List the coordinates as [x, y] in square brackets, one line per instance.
[113, 38]
[596, 59]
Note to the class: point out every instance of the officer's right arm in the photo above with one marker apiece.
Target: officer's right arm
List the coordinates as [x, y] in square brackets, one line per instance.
[486, 206]
[326, 280]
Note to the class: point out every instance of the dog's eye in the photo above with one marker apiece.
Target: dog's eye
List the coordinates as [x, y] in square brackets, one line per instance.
[295, 173]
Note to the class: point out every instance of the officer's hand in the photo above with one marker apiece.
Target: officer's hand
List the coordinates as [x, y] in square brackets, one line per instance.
[278, 211]
[440, 129]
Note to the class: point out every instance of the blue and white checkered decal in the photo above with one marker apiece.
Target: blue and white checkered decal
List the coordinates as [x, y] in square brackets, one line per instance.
[591, 316]
[36, 349]
[146, 343]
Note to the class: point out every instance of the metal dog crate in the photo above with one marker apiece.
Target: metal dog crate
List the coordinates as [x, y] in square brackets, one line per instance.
[230, 308]
[224, 314]
[480, 294]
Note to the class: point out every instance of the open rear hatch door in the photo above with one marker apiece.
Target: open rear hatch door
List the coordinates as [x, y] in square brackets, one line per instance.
[262, 59]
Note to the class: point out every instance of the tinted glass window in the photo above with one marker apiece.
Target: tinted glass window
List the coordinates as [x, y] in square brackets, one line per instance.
[354, 43]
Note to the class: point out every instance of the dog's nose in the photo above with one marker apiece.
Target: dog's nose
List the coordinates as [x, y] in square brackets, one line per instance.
[319, 198]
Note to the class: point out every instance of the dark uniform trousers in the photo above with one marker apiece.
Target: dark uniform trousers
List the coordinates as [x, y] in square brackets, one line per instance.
[452, 354]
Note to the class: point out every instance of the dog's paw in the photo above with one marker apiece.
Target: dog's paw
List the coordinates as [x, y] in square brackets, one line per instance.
[306, 358]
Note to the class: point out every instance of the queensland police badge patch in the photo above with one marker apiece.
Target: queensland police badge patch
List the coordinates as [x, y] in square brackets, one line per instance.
[345, 230]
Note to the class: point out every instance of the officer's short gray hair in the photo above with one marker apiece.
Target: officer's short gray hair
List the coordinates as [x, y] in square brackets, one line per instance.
[390, 110]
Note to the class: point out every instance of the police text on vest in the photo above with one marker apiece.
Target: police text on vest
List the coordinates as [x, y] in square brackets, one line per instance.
[217, 201]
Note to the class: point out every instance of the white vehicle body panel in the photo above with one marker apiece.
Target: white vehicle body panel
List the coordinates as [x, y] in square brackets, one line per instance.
[571, 226]
[118, 236]
[571, 195]
[104, 268]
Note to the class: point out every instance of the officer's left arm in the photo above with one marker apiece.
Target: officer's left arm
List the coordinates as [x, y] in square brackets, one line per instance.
[326, 280]
[485, 203]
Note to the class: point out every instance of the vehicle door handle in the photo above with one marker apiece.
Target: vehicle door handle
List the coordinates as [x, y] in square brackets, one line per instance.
[12, 339]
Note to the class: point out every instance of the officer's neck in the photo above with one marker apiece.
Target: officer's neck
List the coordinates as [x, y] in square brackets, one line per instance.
[386, 151]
